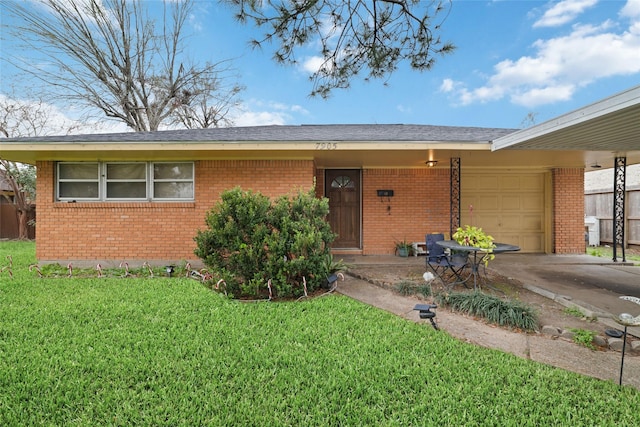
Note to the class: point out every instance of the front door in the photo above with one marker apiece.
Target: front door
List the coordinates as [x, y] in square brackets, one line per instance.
[343, 191]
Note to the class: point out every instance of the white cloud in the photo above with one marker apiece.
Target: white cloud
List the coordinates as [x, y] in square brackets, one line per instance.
[260, 113]
[51, 120]
[253, 113]
[261, 118]
[447, 85]
[631, 9]
[545, 95]
[312, 64]
[404, 109]
[562, 12]
[559, 66]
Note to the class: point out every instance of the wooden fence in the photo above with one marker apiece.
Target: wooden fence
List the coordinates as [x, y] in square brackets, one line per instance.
[600, 205]
[9, 222]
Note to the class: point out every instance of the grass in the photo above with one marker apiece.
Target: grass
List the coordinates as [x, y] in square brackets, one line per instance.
[584, 337]
[573, 311]
[160, 351]
[607, 252]
[408, 288]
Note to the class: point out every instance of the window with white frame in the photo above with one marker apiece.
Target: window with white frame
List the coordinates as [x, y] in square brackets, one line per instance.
[124, 181]
[173, 180]
[78, 181]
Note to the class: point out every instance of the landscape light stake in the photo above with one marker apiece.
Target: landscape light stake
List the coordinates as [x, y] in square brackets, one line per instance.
[626, 320]
[624, 344]
[169, 269]
[426, 313]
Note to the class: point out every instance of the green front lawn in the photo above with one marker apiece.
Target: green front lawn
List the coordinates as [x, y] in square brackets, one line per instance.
[160, 351]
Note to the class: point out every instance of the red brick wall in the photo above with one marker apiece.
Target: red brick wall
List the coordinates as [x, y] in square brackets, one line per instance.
[164, 231]
[568, 210]
[420, 205]
[151, 231]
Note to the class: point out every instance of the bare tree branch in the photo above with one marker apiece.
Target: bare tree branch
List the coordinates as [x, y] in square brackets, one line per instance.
[111, 56]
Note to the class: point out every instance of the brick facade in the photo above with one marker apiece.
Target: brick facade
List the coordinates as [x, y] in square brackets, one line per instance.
[568, 211]
[420, 205]
[112, 232]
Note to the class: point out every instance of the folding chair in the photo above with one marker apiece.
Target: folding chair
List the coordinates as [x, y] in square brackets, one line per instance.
[442, 264]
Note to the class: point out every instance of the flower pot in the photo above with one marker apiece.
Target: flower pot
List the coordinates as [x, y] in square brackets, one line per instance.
[403, 252]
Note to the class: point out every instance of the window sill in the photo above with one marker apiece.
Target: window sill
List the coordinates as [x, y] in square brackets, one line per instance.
[125, 205]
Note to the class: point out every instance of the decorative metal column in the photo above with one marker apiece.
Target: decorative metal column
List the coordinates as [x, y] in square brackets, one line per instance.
[619, 178]
[454, 198]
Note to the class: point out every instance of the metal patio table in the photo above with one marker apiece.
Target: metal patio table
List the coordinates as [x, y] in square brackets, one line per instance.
[478, 256]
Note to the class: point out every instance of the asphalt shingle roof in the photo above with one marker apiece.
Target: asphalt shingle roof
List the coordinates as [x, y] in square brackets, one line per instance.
[348, 132]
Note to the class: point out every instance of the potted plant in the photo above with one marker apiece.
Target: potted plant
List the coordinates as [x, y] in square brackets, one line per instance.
[474, 236]
[403, 248]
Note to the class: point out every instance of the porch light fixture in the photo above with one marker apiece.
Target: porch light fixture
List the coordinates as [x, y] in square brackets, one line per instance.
[595, 166]
[431, 163]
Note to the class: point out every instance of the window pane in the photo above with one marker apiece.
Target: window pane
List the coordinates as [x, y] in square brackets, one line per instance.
[342, 182]
[173, 171]
[78, 190]
[126, 190]
[173, 190]
[78, 171]
[126, 171]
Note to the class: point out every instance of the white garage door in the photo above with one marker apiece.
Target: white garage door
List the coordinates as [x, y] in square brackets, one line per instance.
[508, 206]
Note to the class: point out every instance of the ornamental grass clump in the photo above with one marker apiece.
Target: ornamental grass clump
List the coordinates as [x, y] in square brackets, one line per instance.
[263, 248]
[509, 313]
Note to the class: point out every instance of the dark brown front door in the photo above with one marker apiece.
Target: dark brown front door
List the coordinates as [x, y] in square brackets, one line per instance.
[343, 191]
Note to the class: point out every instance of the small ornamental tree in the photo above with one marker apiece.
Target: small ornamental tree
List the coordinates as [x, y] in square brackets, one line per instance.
[251, 240]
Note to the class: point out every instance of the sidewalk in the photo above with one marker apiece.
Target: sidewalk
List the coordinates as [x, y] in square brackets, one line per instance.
[591, 283]
[566, 279]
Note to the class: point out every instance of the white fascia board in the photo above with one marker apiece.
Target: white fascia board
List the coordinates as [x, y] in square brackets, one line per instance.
[598, 109]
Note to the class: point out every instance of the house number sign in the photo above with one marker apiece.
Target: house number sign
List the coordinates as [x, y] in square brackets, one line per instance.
[326, 145]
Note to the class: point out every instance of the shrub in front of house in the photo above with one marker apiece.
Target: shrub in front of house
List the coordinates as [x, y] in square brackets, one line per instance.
[251, 240]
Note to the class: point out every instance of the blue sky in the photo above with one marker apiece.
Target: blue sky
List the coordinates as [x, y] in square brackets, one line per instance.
[513, 58]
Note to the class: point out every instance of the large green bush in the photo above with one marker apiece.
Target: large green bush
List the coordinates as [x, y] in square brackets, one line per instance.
[251, 240]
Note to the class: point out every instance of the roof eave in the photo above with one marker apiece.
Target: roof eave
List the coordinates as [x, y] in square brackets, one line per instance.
[607, 106]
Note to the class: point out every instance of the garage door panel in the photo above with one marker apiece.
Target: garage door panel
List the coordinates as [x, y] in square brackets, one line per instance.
[511, 202]
[510, 222]
[484, 202]
[483, 182]
[532, 223]
[509, 183]
[532, 202]
[487, 222]
[533, 243]
[532, 182]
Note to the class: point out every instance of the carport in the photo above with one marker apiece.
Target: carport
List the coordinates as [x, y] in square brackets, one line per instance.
[606, 133]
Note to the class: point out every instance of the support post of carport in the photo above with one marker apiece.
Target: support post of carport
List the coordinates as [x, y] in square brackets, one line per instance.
[619, 190]
[454, 185]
